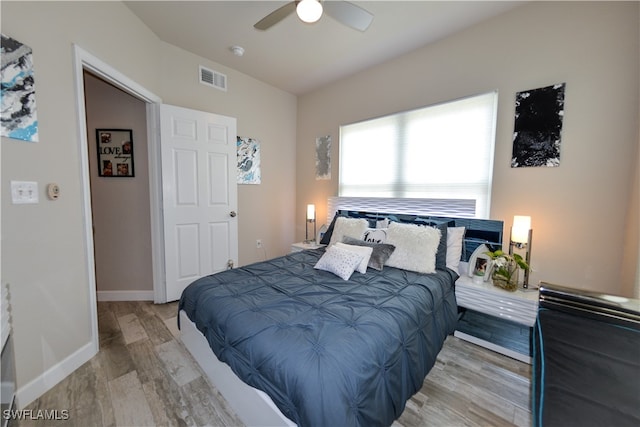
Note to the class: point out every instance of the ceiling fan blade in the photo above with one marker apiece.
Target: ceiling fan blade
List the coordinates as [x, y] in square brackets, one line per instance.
[348, 14]
[276, 16]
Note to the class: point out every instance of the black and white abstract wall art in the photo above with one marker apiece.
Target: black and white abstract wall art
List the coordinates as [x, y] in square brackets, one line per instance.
[18, 117]
[538, 126]
[248, 150]
[323, 157]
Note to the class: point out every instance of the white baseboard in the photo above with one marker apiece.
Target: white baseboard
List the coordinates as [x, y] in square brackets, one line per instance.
[125, 295]
[52, 376]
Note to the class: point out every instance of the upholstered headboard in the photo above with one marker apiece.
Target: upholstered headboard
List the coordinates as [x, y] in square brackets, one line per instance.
[424, 211]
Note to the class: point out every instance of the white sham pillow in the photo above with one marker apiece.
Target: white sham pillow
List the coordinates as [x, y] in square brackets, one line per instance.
[352, 227]
[455, 236]
[375, 235]
[416, 247]
[365, 251]
[339, 261]
[383, 223]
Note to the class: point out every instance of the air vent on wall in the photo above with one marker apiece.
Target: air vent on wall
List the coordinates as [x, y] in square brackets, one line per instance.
[213, 78]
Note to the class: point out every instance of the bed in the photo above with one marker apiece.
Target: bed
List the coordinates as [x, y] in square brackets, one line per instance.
[312, 348]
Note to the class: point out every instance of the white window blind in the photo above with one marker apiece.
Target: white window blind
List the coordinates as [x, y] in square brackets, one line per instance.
[443, 151]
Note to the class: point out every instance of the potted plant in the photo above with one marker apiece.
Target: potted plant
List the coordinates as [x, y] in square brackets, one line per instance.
[505, 268]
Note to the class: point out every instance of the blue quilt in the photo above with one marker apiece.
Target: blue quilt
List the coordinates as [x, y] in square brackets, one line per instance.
[328, 352]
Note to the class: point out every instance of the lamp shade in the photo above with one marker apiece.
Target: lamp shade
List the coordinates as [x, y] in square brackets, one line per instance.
[311, 212]
[520, 229]
[309, 10]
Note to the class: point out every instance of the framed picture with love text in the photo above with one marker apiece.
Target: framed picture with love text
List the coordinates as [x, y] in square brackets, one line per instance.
[115, 152]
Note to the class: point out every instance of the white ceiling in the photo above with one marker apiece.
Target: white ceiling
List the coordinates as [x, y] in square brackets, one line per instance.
[299, 57]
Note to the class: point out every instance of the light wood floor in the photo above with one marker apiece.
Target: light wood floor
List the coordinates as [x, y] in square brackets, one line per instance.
[143, 376]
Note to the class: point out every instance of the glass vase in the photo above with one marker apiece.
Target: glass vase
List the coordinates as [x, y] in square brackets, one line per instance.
[506, 277]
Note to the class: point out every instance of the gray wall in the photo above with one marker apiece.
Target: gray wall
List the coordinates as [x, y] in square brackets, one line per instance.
[120, 206]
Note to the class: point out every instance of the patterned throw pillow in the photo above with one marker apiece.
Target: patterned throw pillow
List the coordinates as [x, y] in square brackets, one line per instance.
[339, 261]
[375, 235]
[365, 251]
[379, 256]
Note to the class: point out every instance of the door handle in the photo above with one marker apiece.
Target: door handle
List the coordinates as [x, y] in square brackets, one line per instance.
[232, 214]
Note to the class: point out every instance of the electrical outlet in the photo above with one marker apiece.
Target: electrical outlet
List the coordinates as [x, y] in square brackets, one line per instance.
[259, 244]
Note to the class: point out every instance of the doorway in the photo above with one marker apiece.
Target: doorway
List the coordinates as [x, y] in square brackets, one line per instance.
[215, 203]
[120, 202]
[85, 62]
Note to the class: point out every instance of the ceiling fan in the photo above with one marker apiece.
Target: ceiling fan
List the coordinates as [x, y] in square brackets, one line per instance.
[311, 10]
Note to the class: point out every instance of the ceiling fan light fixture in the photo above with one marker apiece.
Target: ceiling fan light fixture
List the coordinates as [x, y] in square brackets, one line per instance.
[309, 10]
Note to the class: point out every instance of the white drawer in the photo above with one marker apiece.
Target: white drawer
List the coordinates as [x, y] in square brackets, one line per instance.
[518, 306]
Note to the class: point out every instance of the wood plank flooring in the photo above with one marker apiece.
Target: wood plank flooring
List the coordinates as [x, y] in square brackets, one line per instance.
[143, 376]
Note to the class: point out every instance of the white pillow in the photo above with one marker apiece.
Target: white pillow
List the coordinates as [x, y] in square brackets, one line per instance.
[383, 223]
[365, 251]
[341, 262]
[416, 247]
[352, 227]
[454, 247]
[375, 235]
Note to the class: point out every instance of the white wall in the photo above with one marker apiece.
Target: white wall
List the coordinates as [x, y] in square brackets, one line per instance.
[43, 253]
[579, 210]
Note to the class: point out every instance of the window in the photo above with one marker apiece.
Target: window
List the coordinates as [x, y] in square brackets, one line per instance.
[443, 151]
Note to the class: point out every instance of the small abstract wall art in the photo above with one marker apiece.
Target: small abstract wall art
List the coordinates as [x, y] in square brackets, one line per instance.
[19, 119]
[323, 157]
[248, 160]
[538, 126]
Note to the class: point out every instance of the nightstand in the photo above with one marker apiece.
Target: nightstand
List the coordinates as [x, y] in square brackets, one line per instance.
[301, 246]
[495, 318]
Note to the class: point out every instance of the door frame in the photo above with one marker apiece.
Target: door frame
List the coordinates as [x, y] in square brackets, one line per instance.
[83, 60]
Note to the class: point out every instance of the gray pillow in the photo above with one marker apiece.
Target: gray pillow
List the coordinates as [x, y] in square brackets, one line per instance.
[381, 251]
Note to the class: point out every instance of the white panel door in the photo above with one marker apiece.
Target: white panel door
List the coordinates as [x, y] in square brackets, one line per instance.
[199, 195]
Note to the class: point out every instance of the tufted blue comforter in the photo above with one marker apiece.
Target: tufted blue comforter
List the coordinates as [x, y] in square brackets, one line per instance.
[328, 352]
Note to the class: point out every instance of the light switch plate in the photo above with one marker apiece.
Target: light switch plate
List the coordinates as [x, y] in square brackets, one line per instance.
[24, 192]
